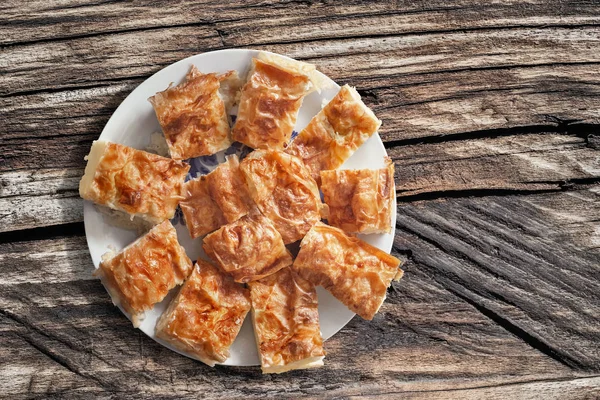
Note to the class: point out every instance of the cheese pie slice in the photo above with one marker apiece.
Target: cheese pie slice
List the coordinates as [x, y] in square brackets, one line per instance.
[335, 133]
[270, 100]
[193, 116]
[142, 274]
[355, 272]
[216, 199]
[206, 316]
[284, 191]
[248, 249]
[360, 201]
[139, 183]
[286, 322]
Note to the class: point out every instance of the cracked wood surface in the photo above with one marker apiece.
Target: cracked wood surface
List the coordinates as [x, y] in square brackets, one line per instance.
[491, 114]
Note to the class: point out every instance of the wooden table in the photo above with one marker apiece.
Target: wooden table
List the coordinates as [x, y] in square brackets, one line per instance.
[491, 114]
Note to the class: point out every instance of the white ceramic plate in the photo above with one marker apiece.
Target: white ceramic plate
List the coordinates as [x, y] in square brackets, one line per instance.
[133, 123]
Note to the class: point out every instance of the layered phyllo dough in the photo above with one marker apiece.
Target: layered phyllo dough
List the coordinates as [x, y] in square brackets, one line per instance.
[360, 201]
[355, 272]
[206, 316]
[270, 100]
[139, 183]
[284, 191]
[248, 249]
[216, 199]
[193, 116]
[286, 322]
[335, 133]
[142, 274]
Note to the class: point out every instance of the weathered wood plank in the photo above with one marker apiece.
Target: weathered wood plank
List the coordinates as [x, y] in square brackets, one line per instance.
[425, 338]
[517, 162]
[259, 20]
[502, 255]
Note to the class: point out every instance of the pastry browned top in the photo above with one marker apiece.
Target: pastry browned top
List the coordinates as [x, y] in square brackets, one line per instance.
[284, 191]
[207, 314]
[355, 272]
[269, 104]
[193, 117]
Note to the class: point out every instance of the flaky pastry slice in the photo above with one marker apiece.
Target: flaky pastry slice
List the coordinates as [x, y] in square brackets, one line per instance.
[360, 201]
[248, 249]
[206, 316]
[284, 191]
[193, 116]
[142, 274]
[286, 322]
[216, 199]
[270, 100]
[335, 133]
[139, 183]
[355, 272]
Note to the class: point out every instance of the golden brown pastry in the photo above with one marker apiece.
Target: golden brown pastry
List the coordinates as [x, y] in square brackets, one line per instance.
[206, 316]
[216, 199]
[270, 100]
[286, 322]
[248, 249]
[193, 116]
[335, 133]
[142, 274]
[360, 201]
[355, 272]
[139, 183]
[284, 191]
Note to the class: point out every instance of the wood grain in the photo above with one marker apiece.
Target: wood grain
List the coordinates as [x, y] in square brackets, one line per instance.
[491, 113]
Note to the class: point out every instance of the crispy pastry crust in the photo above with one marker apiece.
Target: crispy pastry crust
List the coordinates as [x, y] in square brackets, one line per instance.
[360, 201]
[286, 322]
[270, 100]
[355, 272]
[193, 116]
[216, 199]
[206, 316]
[143, 273]
[284, 191]
[248, 249]
[139, 183]
[335, 133]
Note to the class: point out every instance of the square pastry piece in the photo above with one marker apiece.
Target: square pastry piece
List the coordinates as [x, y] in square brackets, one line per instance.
[134, 181]
[216, 199]
[193, 116]
[142, 274]
[360, 201]
[248, 249]
[335, 133]
[206, 316]
[355, 272]
[284, 191]
[286, 322]
[270, 100]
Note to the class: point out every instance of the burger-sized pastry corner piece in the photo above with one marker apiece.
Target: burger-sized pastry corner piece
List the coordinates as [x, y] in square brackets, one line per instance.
[248, 249]
[270, 100]
[139, 183]
[360, 201]
[286, 322]
[142, 274]
[355, 272]
[216, 199]
[284, 191]
[335, 133]
[206, 316]
[193, 116]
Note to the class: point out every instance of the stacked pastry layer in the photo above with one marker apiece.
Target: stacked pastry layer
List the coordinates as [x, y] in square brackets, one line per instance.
[247, 213]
